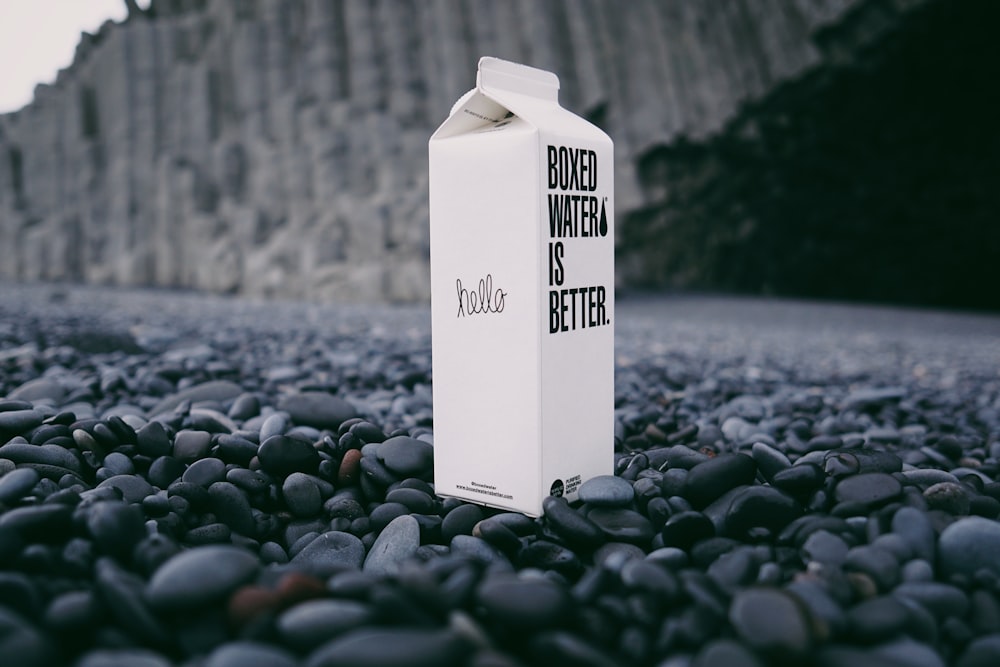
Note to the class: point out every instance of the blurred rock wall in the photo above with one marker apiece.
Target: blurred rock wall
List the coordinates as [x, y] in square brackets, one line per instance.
[278, 148]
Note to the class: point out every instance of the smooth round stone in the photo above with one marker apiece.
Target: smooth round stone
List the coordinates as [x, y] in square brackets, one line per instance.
[969, 545]
[726, 653]
[871, 489]
[824, 547]
[309, 624]
[47, 455]
[244, 407]
[74, 611]
[318, 409]
[20, 421]
[391, 647]
[301, 495]
[406, 456]
[205, 472]
[382, 515]
[617, 552]
[152, 440]
[122, 593]
[948, 497]
[200, 576]
[712, 478]
[476, 548]
[282, 455]
[274, 424]
[916, 530]
[770, 461]
[760, 507]
[607, 491]
[878, 564]
[523, 603]
[942, 600]
[770, 621]
[116, 527]
[683, 529]
[460, 521]
[133, 487]
[909, 652]
[981, 652]
[415, 500]
[236, 449]
[622, 525]
[250, 654]
[122, 657]
[15, 484]
[164, 471]
[397, 542]
[39, 389]
[232, 507]
[213, 390]
[877, 619]
[330, 553]
[546, 555]
[829, 618]
[570, 525]
[800, 479]
[190, 445]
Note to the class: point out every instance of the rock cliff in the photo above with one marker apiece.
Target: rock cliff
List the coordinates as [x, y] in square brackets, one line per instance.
[278, 148]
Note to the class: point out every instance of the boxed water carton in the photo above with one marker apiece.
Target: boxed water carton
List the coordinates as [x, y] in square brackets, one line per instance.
[522, 293]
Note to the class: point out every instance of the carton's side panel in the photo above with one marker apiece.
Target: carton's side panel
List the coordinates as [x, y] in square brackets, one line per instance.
[484, 306]
[577, 310]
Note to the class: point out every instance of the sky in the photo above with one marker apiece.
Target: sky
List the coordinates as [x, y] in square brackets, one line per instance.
[38, 38]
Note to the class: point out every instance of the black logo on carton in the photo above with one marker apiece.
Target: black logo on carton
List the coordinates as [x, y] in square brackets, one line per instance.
[481, 299]
[556, 490]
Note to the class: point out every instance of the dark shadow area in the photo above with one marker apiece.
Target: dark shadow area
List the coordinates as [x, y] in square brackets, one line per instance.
[872, 179]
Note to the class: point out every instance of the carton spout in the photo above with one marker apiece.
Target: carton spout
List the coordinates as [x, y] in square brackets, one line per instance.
[496, 77]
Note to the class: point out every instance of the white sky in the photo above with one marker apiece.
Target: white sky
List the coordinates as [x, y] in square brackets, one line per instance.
[38, 38]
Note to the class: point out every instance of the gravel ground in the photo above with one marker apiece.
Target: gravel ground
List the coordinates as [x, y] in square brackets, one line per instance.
[194, 480]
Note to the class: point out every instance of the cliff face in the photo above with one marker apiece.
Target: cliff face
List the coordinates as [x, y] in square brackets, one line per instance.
[279, 148]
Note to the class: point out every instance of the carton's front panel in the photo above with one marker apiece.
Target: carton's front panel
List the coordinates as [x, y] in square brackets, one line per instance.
[577, 328]
[484, 260]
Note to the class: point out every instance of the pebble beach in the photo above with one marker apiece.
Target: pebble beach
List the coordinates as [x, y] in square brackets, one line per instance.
[206, 481]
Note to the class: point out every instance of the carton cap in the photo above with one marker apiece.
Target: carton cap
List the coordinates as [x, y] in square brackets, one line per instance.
[504, 76]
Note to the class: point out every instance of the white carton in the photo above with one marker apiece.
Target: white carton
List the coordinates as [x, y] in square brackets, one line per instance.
[522, 293]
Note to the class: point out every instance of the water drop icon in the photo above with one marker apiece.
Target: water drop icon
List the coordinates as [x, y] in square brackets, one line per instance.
[603, 229]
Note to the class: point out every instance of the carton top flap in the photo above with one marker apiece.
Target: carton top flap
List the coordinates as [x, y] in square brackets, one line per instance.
[505, 90]
[496, 77]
